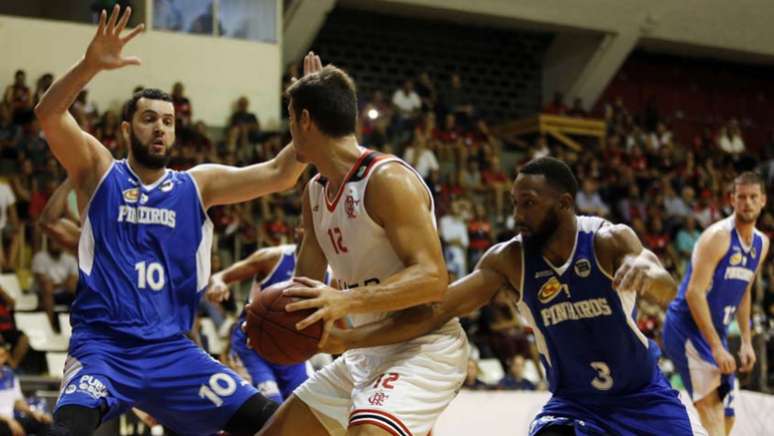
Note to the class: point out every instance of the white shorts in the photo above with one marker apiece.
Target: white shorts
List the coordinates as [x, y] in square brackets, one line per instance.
[400, 388]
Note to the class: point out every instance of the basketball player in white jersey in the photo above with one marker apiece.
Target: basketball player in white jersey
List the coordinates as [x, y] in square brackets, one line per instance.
[370, 216]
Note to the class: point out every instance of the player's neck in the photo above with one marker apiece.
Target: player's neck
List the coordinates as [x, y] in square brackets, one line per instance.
[559, 247]
[337, 159]
[146, 175]
[745, 230]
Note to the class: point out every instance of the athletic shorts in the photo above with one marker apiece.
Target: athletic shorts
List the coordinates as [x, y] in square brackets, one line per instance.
[400, 388]
[656, 410]
[693, 360]
[173, 380]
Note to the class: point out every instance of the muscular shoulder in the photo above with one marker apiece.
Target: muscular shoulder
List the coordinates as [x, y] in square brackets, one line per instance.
[715, 238]
[391, 187]
[615, 237]
[504, 258]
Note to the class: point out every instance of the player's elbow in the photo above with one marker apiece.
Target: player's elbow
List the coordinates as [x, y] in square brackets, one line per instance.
[437, 282]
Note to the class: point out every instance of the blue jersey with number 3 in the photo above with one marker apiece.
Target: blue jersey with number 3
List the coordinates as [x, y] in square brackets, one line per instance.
[585, 330]
[144, 257]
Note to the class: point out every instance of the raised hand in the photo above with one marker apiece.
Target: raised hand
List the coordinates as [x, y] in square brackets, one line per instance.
[104, 52]
[312, 64]
[218, 289]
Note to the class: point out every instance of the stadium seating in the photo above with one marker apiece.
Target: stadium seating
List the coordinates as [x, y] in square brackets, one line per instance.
[38, 328]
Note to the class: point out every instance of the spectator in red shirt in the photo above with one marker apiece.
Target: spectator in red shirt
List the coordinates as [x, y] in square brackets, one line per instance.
[9, 334]
[18, 95]
[496, 180]
[183, 110]
[557, 106]
[480, 235]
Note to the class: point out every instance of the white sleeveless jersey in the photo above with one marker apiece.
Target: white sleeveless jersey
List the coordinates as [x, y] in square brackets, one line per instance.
[357, 248]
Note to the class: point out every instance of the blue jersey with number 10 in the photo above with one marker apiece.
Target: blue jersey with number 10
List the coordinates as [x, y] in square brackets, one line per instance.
[144, 257]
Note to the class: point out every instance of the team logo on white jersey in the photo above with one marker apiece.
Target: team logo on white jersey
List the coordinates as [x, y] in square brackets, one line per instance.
[582, 268]
[166, 186]
[551, 289]
[349, 206]
[131, 195]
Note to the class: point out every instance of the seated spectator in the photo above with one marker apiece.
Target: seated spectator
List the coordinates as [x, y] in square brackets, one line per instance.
[480, 234]
[183, 110]
[556, 106]
[458, 102]
[514, 379]
[419, 156]
[108, 131]
[498, 183]
[10, 134]
[12, 401]
[472, 381]
[577, 109]
[9, 227]
[249, 128]
[454, 234]
[730, 138]
[84, 111]
[426, 92]
[674, 206]
[44, 82]
[407, 101]
[589, 202]
[18, 96]
[12, 337]
[56, 276]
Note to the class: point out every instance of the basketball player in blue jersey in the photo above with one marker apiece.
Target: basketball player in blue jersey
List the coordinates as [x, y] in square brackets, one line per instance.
[267, 266]
[717, 286]
[576, 280]
[144, 256]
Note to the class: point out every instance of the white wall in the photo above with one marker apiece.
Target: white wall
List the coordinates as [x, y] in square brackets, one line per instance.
[215, 71]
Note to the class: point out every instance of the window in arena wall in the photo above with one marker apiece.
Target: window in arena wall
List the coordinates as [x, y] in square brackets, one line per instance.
[255, 20]
[79, 11]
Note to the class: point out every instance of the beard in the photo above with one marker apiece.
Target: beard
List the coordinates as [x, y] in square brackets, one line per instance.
[142, 154]
[537, 239]
[747, 218]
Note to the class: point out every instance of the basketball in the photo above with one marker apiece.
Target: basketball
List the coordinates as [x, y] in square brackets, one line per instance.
[272, 330]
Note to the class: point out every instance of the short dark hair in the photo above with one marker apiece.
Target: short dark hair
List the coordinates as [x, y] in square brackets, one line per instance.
[330, 96]
[150, 93]
[556, 172]
[750, 178]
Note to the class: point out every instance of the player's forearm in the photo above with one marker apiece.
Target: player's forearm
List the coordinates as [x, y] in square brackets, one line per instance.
[413, 286]
[64, 232]
[664, 288]
[399, 327]
[62, 94]
[743, 318]
[697, 303]
[239, 271]
[55, 206]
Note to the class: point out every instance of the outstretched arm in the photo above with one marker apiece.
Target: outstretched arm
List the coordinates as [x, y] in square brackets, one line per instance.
[223, 184]
[260, 262]
[54, 223]
[84, 158]
[463, 296]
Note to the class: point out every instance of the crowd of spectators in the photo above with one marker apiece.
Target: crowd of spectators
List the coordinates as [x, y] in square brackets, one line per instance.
[666, 188]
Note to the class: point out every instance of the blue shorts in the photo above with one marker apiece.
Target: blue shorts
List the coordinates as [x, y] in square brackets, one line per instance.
[173, 380]
[693, 360]
[275, 382]
[656, 410]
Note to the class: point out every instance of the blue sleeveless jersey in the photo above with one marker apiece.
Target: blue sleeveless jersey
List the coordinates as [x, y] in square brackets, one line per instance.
[144, 257]
[282, 271]
[733, 274]
[585, 330]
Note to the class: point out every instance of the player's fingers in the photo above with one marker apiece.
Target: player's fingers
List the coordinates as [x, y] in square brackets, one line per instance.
[310, 303]
[317, 63]
[111, 24]
[306, 64]
[124, 19]
[620, 274]
[102, 21]
[626, 280]
[307, 281]
[326, 332]
[301, 291]
[309, 320]
[138, 29]
[638, 282]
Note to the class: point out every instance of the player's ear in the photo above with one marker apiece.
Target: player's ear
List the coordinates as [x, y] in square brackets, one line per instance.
[566, 201]
[305, 120]
[126, 132]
